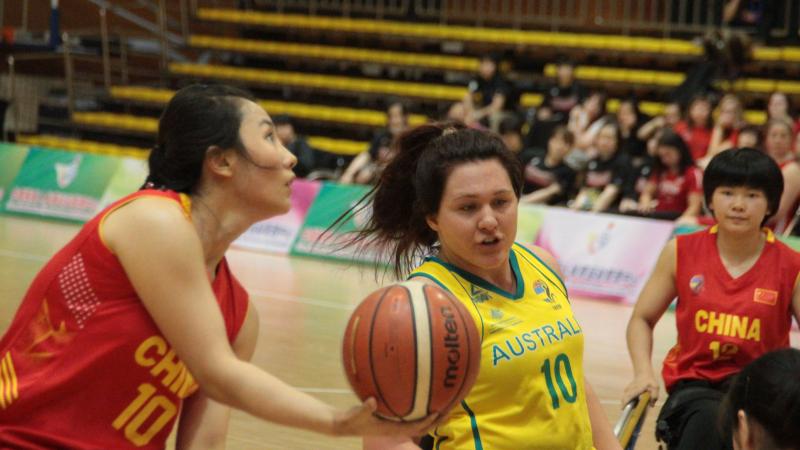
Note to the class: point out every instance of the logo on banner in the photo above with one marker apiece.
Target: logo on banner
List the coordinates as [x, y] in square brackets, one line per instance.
[66, 172]
[696, 284]
[765, 296]
[598, 241]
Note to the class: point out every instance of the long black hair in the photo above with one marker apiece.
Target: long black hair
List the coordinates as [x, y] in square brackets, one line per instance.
[195, 119]
[768, 391]
[411, 186]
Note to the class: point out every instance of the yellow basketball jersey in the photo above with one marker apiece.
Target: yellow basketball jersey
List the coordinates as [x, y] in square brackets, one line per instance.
[530, 392]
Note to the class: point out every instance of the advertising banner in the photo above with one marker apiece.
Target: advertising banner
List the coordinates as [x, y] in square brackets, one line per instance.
[60, 184]
[601, 255]
[529, 221]
[331, 202]
[129, 177]
[278, 233]
[11, 158]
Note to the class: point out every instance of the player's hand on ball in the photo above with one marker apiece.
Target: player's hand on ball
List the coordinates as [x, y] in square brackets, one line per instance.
[362, 421]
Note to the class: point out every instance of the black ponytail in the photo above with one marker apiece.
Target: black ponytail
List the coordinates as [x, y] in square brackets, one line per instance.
[410, 189]
[195, 119]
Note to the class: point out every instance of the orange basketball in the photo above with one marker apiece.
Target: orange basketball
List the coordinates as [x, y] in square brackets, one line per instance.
[414, 347]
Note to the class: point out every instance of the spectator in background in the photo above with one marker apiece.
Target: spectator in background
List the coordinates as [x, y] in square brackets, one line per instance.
[639, 176]
[547, 178]
[458, 112]
[725, 134]
[696, 128]
[490, 96]
[778, 145]
[779, 107]
[309, 159]
[510, 131]
[587, 118]
[669, 118]
[675, 187]
[565, 94]
[630, 119]
[750, 137]
[367, 166]
[762, 407]
[606, 174]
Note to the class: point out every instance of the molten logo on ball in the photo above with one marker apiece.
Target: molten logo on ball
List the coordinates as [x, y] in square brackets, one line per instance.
[414, 347]
[452, 345]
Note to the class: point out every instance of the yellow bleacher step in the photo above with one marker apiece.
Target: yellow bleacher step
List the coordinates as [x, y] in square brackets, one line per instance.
[125, 122]
[80, 145]
[274, 107]
[445, 62]
[451, 32]
[316, 81]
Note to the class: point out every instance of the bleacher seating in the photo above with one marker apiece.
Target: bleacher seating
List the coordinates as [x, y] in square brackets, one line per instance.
[149, 125]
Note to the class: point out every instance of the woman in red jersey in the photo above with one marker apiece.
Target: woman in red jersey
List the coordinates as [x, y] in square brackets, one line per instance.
[778, 145]
[138, 323]
[737, 292]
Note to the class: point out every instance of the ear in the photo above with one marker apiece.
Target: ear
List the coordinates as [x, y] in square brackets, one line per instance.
[432, 222]
[743, 435]
[219, 161]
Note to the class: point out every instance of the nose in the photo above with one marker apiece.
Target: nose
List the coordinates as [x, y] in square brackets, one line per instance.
[738, 202]
[487, 221]
[290, 160]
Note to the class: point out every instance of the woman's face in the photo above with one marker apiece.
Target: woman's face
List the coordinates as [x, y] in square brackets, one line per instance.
[669, 156]
[606, 142]
[266, 169]
[778, 142]
[729, 111]
[778, 106]
[739, 209]
[672, 114]
[626, 116]
[699, 112]
[557, 147]
[477, 218]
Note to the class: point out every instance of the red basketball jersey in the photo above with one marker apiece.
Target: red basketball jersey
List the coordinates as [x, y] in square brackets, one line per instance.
[724, 322]
[83, 366]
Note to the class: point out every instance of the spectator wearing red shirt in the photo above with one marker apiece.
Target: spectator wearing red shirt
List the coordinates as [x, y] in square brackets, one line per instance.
[675, 187]
[696, 128]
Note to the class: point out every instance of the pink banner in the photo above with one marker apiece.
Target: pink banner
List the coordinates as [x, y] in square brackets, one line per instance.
[278, 233]
[601, 255]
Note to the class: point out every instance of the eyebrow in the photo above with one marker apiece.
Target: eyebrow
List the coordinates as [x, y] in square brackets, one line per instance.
[470, 195]
[266, 122]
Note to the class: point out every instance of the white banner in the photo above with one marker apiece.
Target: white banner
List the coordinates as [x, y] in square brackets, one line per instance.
[602, 255]
[278, 233]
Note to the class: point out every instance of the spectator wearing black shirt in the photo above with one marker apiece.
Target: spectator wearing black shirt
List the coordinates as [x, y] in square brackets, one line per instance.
[367, 166]
[630, 119]
[309, 159]
[510, 131]
[606, 174]
[565, 94]
[547, 178]
[490, 96]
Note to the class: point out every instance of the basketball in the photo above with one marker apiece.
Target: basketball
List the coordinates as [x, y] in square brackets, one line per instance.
[412, 346]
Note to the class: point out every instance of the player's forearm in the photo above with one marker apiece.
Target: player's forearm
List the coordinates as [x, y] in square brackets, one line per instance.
[242, 385]
[640, 345]
[602, 433]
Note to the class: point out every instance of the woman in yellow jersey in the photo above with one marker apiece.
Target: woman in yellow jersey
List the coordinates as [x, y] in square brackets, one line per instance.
[451, 196]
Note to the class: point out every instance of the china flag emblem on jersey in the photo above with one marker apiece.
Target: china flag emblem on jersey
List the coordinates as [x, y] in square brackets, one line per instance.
[765, 296]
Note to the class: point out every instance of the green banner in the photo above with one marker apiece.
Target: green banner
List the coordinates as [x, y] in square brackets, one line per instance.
[331, 202]
[61, 184]
[11, 158]
[529, 220]
[129, 177]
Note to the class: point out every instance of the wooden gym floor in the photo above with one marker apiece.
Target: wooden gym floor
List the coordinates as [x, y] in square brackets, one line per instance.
[303, 305]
